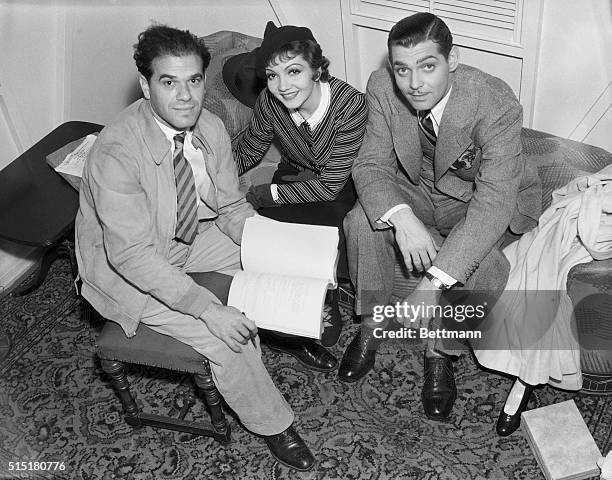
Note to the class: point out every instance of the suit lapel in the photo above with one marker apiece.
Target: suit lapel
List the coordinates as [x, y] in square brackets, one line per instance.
[405, 132]
[454, 134]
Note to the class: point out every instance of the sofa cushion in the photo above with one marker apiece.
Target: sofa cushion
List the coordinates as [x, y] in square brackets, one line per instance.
[560, 160]
[221, 102]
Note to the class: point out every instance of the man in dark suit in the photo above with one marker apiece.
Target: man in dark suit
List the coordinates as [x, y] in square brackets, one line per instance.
[440, 179]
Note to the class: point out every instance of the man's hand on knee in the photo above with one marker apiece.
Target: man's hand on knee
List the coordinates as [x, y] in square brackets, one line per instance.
[414, 240]
[229, 325]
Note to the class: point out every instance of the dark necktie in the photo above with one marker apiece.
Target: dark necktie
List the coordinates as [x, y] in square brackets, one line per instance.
[186, 200]
[426, 125]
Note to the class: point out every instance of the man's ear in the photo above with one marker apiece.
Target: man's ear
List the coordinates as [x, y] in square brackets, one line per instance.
[144, 86]
[453, 58]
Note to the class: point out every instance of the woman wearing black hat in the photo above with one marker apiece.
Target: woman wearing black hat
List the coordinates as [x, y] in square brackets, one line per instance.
[318, 122]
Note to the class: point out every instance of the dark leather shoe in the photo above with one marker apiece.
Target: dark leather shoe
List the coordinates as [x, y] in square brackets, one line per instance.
[307, 351]
[507, 424]
[359, 356]
[333, 324]
[290, 450]
[439, 390]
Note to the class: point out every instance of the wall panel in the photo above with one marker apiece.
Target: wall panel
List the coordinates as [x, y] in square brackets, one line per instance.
[498, 36]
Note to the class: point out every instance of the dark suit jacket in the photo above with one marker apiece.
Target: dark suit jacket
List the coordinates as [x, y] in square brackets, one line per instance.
[481, 122]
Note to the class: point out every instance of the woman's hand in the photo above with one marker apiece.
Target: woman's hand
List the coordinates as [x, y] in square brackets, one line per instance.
[260, 196]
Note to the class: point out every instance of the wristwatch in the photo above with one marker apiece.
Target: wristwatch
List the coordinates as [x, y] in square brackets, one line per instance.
[436, 282]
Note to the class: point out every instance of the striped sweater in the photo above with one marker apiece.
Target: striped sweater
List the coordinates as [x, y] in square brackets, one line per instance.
[328, 151]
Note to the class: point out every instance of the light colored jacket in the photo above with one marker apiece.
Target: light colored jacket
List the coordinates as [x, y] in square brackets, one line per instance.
[127, 215]
[482, 120]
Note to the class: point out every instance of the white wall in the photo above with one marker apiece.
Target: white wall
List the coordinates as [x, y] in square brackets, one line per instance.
[103, 77]
[574, 91]
[28, 75]
[72, 60]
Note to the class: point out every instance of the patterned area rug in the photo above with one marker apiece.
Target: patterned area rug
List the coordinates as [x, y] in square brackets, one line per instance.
[55, 406]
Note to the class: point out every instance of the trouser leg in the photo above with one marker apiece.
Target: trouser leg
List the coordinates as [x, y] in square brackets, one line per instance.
[372, 258]
[481, 291]
[241, 378]
[212, 251]
[373, 254]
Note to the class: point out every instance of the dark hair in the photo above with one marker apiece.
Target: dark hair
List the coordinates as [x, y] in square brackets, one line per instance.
[309, 49]
[159, 40]
[418, 28]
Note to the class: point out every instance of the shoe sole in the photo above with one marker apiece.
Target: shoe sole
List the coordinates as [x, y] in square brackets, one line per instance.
[292, 466]
[318, 369]
[439, 419]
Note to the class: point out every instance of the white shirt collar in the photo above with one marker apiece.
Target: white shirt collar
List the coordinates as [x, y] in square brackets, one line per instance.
[438, 110]
[171, 132]
[319, 113]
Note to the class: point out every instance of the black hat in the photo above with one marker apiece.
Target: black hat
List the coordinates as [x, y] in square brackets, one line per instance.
[240, 74]
[274, 38]
[244, 74]
[240, 78]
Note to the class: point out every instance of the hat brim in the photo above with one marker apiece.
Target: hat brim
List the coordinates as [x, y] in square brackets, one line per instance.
[241, 79]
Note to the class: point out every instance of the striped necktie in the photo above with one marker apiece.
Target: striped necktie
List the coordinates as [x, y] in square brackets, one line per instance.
[186, 200]
[426, 125]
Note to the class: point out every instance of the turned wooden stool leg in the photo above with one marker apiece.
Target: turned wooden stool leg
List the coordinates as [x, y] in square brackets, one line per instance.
[213, 399]
[116, 371]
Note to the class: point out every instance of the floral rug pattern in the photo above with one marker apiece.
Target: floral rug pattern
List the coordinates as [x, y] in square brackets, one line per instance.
[56, 406]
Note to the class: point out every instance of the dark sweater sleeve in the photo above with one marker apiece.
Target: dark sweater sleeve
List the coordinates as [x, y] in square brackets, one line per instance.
[258, 136]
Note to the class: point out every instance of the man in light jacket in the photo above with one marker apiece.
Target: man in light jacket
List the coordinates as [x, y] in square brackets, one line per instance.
[159, 199]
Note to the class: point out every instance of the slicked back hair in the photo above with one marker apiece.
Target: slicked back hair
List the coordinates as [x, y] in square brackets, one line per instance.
[418, 28]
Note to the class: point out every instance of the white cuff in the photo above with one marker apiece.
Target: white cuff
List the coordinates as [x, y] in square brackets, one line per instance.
[391, 211]
[274, 191]
[445, 278]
